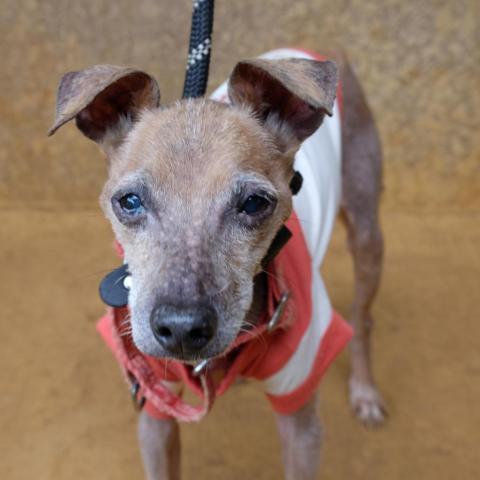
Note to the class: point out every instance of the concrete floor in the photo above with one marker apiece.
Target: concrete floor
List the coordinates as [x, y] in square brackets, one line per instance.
[65, 411]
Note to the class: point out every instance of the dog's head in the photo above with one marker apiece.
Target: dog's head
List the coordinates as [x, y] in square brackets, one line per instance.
[197, 190]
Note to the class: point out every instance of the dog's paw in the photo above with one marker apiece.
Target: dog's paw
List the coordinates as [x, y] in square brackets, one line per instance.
[367, 403]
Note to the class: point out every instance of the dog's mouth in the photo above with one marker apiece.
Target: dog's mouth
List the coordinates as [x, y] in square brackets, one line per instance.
[195, 359]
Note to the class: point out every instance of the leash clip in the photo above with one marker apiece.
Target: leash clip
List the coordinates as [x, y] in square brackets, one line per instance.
[134, 390]
[277, 314]
[200, 367]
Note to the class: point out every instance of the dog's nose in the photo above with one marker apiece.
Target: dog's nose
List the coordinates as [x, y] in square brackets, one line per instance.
[183, 330]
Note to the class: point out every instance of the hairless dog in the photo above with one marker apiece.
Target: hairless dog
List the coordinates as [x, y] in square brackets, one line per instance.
[197, 192]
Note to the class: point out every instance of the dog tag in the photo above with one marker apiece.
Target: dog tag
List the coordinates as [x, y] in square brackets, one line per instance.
[200, 367]
[115, 286]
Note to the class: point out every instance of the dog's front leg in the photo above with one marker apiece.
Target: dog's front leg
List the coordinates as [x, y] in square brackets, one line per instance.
[160, 447]
[300, 435]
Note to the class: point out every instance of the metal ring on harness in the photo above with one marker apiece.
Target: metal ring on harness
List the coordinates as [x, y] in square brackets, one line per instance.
[138, 403]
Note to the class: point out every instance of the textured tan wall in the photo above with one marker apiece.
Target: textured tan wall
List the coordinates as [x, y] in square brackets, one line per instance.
[419, 62]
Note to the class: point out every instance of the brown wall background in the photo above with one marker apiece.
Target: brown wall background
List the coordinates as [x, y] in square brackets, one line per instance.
[419, 62]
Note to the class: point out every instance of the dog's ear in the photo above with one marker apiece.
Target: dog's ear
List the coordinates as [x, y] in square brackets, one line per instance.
[105, 101]
[290, 96]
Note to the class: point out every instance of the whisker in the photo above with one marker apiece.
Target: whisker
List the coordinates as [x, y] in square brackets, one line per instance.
[125, 321]
[165, 369]
[253, 330]
[270, 274]
[125, 333]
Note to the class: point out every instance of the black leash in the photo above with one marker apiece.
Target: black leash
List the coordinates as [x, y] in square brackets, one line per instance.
[198, 63]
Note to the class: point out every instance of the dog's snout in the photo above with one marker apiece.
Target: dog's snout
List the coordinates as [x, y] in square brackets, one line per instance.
[181, 330]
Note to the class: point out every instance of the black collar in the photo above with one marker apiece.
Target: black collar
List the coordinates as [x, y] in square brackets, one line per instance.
[115, 286]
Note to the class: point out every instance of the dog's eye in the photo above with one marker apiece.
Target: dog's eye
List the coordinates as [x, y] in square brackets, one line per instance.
[131, 204]
[254, 204]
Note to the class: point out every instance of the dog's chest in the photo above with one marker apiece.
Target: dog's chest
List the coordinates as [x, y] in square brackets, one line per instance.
[319, 162]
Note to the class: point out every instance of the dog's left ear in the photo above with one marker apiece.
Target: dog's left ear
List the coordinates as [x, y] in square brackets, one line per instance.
[289, 96]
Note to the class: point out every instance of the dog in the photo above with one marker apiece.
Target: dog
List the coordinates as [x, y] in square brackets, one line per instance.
[200, 194]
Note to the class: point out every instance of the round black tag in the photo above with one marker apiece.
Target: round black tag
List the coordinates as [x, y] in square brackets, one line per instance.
[115, 286]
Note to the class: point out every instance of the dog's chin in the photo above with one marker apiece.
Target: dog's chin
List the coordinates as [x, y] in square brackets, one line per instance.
[149, 346]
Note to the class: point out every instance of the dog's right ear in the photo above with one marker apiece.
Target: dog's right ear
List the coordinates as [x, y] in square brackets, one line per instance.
[105, 101]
